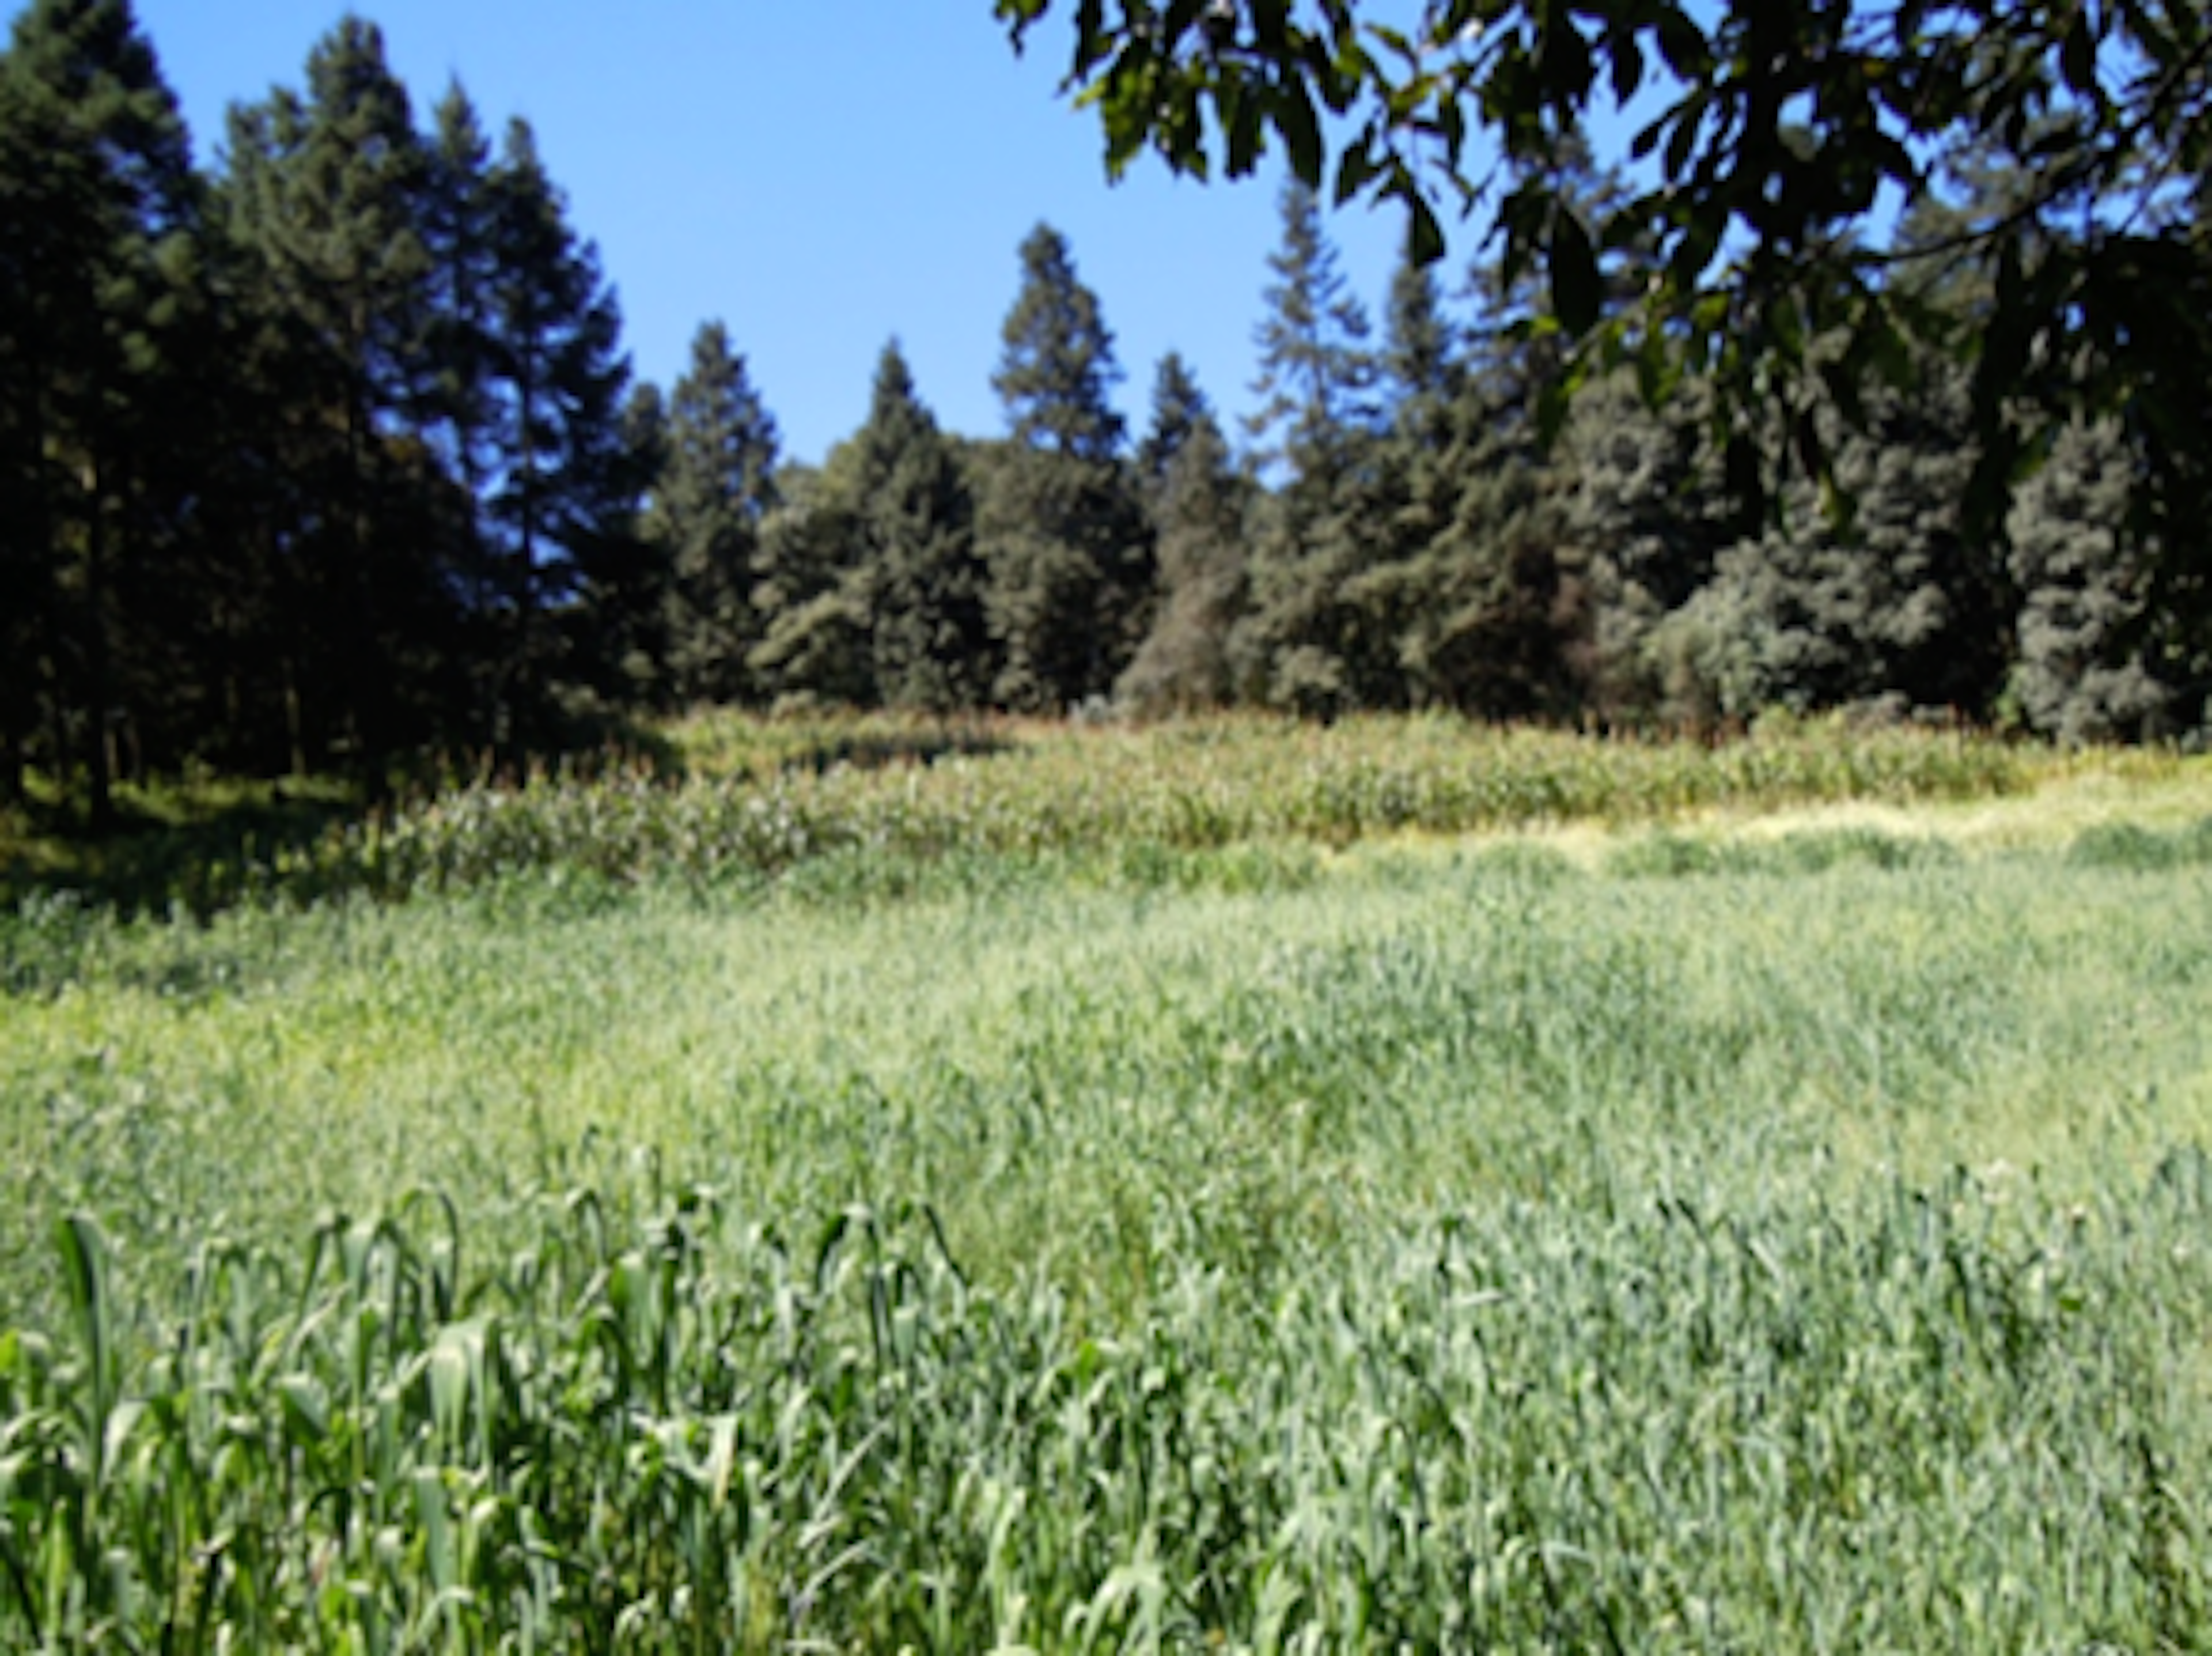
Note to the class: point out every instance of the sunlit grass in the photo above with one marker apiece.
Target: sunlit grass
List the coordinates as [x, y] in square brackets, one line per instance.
[1735, 1233]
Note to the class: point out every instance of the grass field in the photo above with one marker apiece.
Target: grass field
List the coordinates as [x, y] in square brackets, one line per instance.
[1757, 1201]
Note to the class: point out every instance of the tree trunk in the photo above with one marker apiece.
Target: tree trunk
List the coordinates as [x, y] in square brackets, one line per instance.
[98, 666]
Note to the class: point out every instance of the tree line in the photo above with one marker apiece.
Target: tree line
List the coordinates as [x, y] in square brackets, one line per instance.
[333, 455]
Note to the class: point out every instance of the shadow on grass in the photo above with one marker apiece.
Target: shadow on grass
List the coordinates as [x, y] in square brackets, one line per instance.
[167, 843]
[195, 845]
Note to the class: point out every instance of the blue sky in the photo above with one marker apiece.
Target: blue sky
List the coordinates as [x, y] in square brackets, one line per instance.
[820, 175]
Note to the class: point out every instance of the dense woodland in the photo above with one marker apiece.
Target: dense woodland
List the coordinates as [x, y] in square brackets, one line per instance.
[333, 455]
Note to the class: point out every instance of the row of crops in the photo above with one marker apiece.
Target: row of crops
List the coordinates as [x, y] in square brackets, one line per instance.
[748, 801]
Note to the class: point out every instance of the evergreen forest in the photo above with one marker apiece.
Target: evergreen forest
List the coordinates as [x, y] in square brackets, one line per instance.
[332, 455]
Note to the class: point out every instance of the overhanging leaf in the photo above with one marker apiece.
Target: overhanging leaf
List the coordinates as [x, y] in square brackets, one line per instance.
[1425, 236]
[1577, 288]
[2077, 59]
[1300, 125]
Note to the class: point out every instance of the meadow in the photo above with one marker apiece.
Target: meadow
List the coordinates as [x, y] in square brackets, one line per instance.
[1235, 1186]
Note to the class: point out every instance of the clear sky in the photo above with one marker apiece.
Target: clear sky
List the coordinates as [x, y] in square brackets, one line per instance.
[820, 175]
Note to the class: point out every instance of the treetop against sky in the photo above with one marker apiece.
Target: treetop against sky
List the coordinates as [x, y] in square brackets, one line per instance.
[821, 178]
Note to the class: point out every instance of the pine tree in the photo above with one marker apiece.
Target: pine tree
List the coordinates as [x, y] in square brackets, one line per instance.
[1198, 506]
[27, 549]
[327, 194]
[812, 588]
[1647, 515]
[1477, 500]
[810, 593]
[459, 236]
[575, 585]
[98, 217]
[1405, 594]
[2093, 664]
[1062, 530]
[1891, 602]
[920, 581]
[1178, 409]
[651, 588]
[1316, 371]
[715, 484]
[1057, 368]
[1306, 641]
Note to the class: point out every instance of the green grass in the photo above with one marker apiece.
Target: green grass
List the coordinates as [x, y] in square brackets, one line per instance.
[743, 802]
[1719, 1236]
[167, 838]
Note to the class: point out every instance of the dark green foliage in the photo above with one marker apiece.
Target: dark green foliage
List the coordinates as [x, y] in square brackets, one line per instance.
[1316, 370]
[870, 588]
[715, 482]
[458, 401]
[1179, 407]
[1771, 136]
[1311, 641]
[1475, 574]
[1200, 505]
[1878, 592]
[99, 231]
[2090, 666]
[333, 458]
[461, 237]
[324, 196]
[808, 594]
[1057, 368]
[1647, 513]
[1071, 575]
[2172, 508]
[921, 580]
[1410, 502]
[1060, 525]
[362, 452]
[578, 592]
[307, 467]
[2109, 533]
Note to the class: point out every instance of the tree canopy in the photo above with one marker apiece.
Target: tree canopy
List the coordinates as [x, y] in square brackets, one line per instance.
[1772, 142]
[329, 456]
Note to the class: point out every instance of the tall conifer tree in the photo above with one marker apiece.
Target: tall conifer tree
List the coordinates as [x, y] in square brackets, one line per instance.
[575, 583]
[1306, 642]
[1476, 502]
[1412, 591]
[327, 193]
[1179, 408]
[813, 581]
[1198, 500]
[716, 483]
[922, 582]
[460, 236]
[98, 212]
[1317, 371]
[1063, 531]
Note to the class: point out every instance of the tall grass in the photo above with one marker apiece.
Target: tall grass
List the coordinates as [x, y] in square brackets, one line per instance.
[1772, 1242]
[764, 798]
[1951, 1417]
